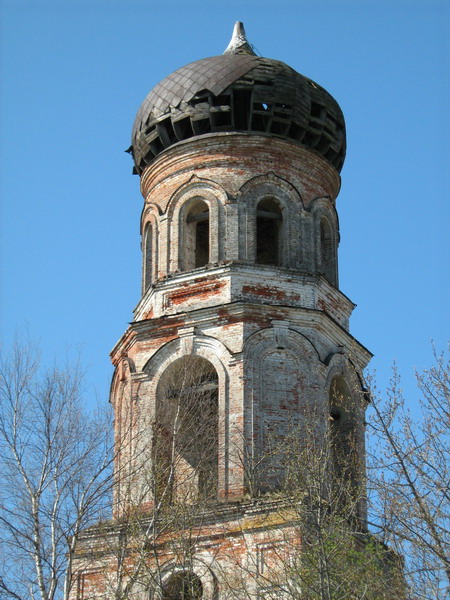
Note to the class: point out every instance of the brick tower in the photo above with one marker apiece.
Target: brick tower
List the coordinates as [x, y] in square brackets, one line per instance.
[241, 333]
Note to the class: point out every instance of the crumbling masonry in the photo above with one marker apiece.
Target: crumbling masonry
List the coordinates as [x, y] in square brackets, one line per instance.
[241, 332]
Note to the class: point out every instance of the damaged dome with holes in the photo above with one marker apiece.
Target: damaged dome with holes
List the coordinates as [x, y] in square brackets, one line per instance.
[238, 92]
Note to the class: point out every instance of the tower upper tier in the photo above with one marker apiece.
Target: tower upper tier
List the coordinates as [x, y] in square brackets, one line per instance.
[238, 92]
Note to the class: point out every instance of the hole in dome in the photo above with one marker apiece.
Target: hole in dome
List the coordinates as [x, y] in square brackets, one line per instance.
[265, 83]
[199, 100]
[183, 128]
[221, 118]
[331, 155]
[296, 132]
[222, 100]
[323, 145]
[201, 126]
[262, 107]
[166, 132]
[156, 146]
[260, 122]
[279, 127]
[317, 110]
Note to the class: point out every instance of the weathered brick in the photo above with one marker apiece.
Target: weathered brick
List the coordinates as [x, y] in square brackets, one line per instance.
[265, 313]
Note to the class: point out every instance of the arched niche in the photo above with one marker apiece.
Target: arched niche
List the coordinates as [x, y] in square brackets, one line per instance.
[280, 402]
[149, 246]
[121, 398]
[186, 449]
[148, 260]
[279, 415]
[347, 401]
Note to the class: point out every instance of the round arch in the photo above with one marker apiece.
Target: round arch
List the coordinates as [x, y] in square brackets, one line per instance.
[150, 212]
[213, 351]
[280, 401]
[269, 183]
[180, 204]
[285, 219]
[339, 365]
[189, 343]
[201, 581]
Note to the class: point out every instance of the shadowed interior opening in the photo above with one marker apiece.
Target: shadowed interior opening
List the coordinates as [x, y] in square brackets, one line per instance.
[196, 243]
[186, 440]
[183, 586]
[269, 222]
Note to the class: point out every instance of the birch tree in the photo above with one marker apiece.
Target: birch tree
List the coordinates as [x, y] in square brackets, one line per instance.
[410, 477]
[55, 473]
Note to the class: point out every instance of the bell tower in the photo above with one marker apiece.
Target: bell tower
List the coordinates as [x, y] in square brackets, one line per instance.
[240, 341]
[239, 159]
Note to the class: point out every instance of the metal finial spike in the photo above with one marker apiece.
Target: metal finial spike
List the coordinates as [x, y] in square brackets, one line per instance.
[239, 43]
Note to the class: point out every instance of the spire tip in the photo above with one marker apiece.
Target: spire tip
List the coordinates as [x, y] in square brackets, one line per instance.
[239, 43]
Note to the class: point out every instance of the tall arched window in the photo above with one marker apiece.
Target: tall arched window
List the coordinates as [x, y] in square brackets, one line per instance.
[186, 440]
[195, 250]
[343, 444]
[148, 256]
[326, 250]
[269, 223]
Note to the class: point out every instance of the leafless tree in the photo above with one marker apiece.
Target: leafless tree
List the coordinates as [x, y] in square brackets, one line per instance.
[55, 473]
[320, 548]
[174, 475]
[410, 477]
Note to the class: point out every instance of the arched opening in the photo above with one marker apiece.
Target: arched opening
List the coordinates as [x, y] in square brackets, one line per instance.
[269, 223]
[196, 243]
[148, 256]
[186, 436]
[184, 585]
[326, 250]
[344, 455]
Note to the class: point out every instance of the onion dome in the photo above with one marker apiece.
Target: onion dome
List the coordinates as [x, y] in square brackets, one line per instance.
[238, 92]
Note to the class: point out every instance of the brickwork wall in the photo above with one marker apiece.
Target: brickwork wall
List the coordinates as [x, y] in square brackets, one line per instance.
[239, 344]
[275, 336]
[236, 553]
[219, 171]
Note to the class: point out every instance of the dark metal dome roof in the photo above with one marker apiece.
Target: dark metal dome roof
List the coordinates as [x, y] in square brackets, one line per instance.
[237, 92]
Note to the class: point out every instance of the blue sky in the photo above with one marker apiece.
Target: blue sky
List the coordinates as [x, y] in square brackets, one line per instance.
[73, 74]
